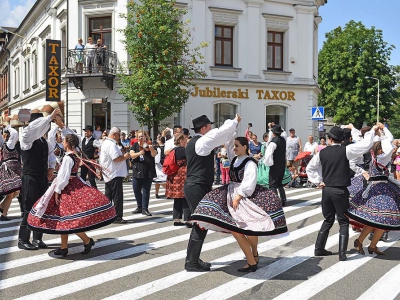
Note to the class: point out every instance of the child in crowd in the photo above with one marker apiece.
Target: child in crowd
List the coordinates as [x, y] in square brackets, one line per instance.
[294, 174]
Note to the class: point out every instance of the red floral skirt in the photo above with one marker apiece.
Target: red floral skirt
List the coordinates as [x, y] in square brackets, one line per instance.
[81, 208]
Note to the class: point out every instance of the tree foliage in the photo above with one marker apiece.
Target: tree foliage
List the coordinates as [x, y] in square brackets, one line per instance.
[349, 55]
[162, 60]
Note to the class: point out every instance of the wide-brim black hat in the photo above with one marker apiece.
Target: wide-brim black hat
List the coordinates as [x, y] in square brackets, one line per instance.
[277, 129]
[201, 121]
[88, 127]
[336, 133]
[35, 116]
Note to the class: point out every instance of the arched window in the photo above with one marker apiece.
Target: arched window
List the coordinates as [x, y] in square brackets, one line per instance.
[276, 114]
[224, 111]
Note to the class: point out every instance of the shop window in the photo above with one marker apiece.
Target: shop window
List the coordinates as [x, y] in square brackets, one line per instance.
[101, 29]
[223, 112]
[99, 117]
[275, 51]
[27, 69]
[276, 114]
[223, 45]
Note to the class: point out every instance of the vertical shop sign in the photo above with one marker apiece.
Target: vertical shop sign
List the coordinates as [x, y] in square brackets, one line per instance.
[53, 70]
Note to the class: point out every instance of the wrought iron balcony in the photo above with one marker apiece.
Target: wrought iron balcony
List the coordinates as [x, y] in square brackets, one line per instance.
[91, 63]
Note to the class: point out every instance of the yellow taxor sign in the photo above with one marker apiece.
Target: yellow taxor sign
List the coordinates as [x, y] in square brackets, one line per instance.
[53, 74]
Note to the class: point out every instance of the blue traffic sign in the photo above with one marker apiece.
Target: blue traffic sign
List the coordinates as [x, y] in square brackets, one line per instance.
[317, 113]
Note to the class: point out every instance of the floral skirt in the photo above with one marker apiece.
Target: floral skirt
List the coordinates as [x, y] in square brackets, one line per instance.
[260, 214]
[81, 208]
[10, 177]
[378, 206]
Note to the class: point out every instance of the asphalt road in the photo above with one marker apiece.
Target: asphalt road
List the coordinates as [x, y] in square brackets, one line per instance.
[144, 259]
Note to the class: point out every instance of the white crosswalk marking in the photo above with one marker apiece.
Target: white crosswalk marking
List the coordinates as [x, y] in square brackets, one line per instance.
[118, 269]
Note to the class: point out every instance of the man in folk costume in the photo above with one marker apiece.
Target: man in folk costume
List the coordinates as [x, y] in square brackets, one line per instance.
[89, 145]
[200, 177]
[330, 170]
[275, 158]
[38, 162]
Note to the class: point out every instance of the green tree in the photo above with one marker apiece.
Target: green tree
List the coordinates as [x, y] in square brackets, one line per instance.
[163, 60]
[347, 57]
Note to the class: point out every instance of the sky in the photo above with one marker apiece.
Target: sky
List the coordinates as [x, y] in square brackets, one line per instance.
[382, 14]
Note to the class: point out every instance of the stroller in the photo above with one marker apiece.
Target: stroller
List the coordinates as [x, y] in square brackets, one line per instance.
[303, 178]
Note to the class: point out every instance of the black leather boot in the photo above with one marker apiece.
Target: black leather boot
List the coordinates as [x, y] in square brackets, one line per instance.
[321, 243]
[23, 239]
[282, 194]
[343, 241]
[37, 240]
[193, 262]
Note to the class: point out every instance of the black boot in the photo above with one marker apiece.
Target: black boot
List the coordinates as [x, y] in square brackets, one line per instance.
[320, 244]
[23, 239]
[193, 262]
[282, 194]
[343, 241]
[385, 237]
[37, 240]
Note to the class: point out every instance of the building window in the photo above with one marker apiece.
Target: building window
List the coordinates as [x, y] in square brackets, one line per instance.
[34, 68]
[275, 50]
[223, 112]
[27, 67]
[16, 80]
[101, 29]
[44, 62]
[276, 114]
[223, 45]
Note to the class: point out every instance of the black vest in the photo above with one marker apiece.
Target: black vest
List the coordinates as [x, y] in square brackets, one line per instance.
[200, 169]
[88, 148]
[279, 154]
[35, 160]
[335, 166]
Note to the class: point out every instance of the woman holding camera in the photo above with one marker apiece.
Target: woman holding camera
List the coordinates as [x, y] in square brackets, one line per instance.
[143, 171]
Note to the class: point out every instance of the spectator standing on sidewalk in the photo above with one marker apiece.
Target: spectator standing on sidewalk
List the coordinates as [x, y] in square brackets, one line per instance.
[114, 171]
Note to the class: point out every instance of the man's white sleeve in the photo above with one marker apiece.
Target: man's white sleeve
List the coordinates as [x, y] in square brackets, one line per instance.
[314, 169]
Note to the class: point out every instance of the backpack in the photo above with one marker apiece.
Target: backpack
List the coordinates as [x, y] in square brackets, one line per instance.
[170, 167]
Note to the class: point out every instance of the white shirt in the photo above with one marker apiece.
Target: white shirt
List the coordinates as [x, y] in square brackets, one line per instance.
[109, 152]
[34, 131]
[310, 147]
[52, 137]
[169, 144]
[353, 151]
[64, 173]
[215, 137]
[12, 140]
[90, 49]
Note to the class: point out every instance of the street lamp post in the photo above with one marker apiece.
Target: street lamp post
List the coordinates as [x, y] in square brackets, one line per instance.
[377, 108]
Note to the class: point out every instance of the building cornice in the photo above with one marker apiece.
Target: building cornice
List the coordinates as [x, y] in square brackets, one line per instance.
[305, 9]
[225, 10]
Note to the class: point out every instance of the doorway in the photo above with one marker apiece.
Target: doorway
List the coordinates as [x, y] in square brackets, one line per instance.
[99, 116]
[276, 114]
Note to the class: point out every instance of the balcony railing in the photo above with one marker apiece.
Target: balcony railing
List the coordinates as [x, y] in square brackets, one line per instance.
[91, 62]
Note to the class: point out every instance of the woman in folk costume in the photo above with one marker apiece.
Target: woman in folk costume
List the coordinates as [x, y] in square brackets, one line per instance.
[376, 197]
[243, 208]
[55, 139]
[70, 205]
[10, 170]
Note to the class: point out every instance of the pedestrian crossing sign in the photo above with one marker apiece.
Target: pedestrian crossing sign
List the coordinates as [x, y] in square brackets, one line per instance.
[317, 113]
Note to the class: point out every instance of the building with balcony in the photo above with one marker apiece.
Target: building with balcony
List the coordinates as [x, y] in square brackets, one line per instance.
[262, 62]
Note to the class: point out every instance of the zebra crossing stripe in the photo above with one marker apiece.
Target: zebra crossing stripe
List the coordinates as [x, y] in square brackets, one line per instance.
[79, 285]
[173, 279]
[386, 288]
[266, 273]
[101, 278]
[329, 276]
[43, 257]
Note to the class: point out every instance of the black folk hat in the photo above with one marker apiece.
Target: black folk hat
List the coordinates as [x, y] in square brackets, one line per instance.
[35, 116]
[277, 129]
[88, 127]
[346, 133]
[336, 133]
[201, 121]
